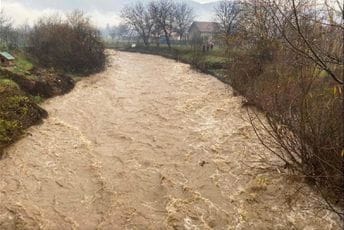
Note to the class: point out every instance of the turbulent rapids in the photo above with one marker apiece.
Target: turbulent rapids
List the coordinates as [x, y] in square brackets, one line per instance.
[150, 144]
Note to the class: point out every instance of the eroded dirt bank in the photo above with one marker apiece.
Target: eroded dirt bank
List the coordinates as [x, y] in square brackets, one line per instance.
[149, 144]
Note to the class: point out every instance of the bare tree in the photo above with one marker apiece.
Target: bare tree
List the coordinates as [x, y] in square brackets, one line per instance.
[163, 13]
[183, 18]
[291, 19]
[78, 20]
[227, 15]
[140, 19]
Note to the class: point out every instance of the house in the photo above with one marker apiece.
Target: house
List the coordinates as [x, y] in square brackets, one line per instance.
[6, 59]
[203, 30]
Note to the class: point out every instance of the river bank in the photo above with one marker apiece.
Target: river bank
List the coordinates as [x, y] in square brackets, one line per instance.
[23, 86]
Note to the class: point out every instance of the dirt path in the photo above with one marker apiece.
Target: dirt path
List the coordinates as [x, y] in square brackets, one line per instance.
[149, 144]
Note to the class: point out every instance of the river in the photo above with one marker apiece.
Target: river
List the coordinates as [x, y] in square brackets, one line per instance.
[150, 144]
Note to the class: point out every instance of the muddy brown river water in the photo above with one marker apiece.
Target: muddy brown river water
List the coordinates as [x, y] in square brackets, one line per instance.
[150, 144]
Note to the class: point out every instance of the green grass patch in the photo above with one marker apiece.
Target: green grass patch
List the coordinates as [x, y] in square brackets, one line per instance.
[7, 83]
[8, 129]
[37, 99]
[22, 64]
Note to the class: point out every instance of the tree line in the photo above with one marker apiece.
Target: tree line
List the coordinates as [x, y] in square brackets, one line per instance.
[160, 17]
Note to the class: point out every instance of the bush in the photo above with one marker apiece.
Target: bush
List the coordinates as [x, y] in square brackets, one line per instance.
[71, 45]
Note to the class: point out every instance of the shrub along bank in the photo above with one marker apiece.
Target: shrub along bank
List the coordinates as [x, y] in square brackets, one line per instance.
[70, 45]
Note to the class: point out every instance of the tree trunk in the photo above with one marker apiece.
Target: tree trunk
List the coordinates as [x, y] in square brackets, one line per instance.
[146, 40]
[167, 39]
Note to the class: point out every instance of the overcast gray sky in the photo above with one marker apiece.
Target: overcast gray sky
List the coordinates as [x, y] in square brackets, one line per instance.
[102, 12]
